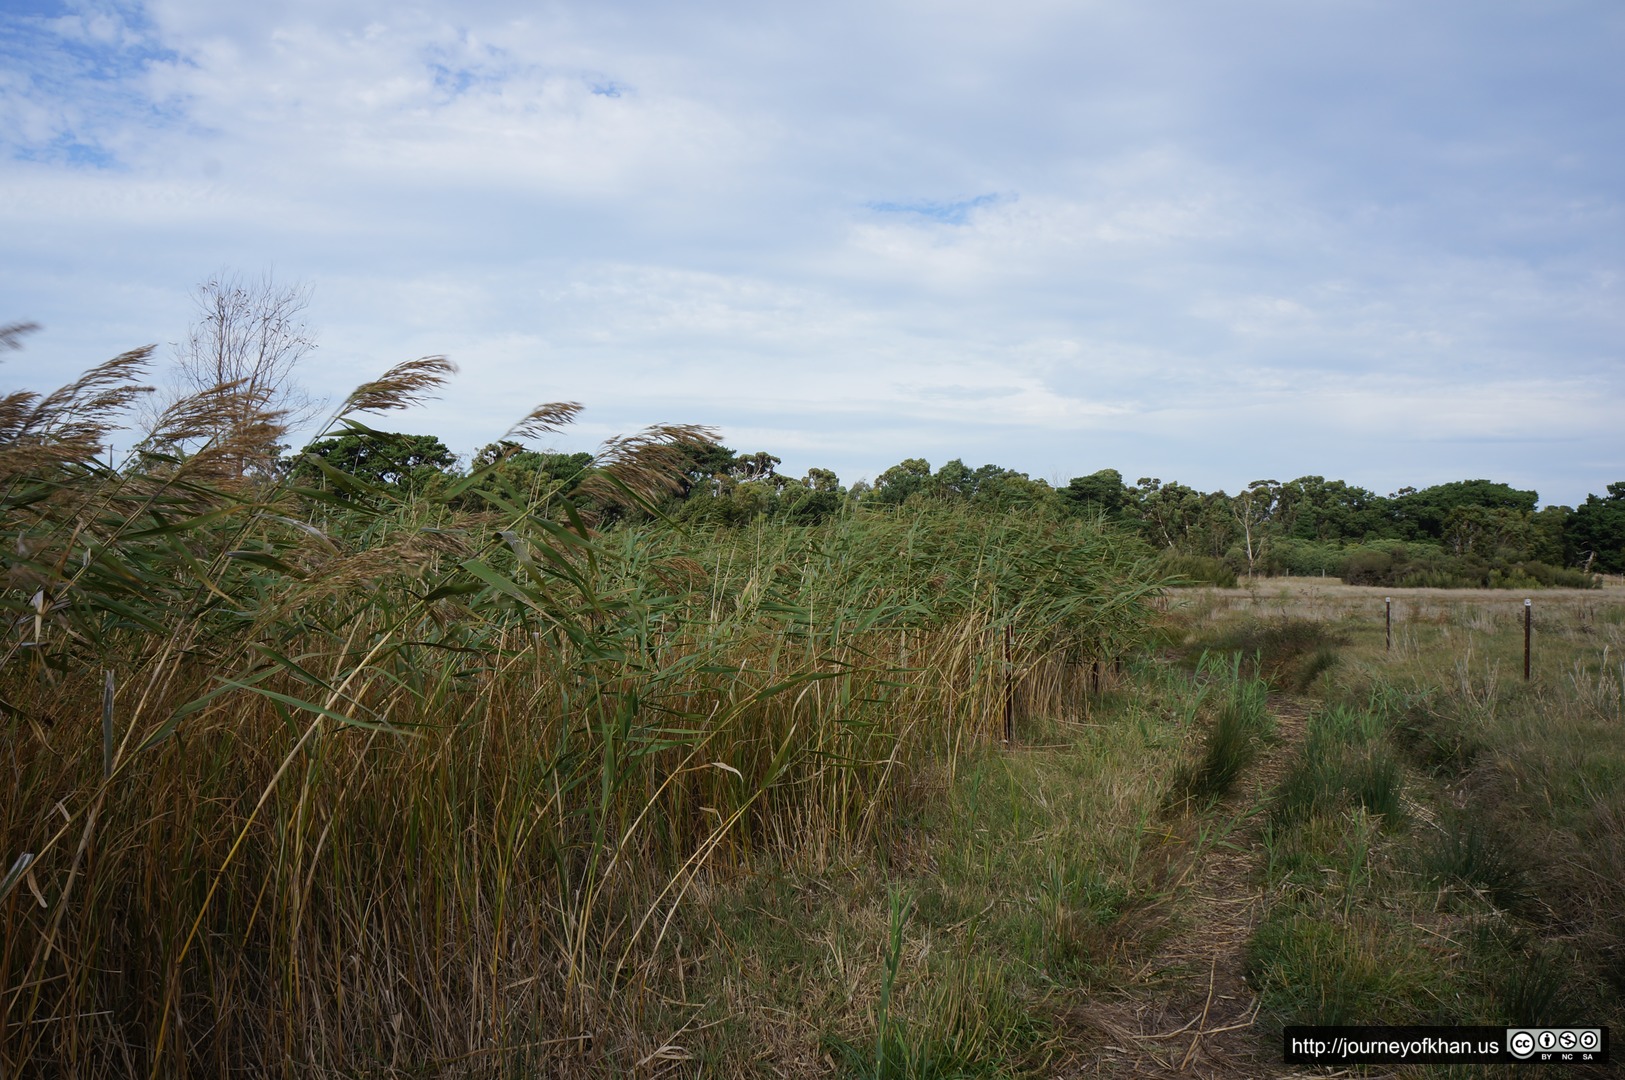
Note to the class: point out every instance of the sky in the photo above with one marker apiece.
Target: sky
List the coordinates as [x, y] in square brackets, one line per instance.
[1376, 241]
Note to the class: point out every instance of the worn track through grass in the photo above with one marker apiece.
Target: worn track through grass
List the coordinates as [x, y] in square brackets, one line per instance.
[1188, 1010]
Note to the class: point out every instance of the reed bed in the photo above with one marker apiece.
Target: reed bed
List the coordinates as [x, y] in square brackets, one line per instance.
[332, 780]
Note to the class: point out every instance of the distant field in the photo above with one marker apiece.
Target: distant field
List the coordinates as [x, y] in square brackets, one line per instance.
[1329, 590]
[1577, 614]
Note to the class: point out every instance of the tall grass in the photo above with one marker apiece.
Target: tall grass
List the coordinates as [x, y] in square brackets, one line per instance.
[1233, 741]
[1345, 762]
[335, 780]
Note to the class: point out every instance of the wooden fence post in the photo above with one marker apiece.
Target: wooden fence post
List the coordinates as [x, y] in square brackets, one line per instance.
[1009, 690]
[1528, 620]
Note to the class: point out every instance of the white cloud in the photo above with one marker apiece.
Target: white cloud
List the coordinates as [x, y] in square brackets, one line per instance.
[1057, 236]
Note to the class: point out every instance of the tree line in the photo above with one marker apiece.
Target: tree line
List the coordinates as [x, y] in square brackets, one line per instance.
[1463, 533]
[237, 394]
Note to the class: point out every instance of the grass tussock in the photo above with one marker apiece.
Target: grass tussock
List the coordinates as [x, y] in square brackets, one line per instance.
[1346, 762]
[1290, 652]
[1233, 740]
[1466, 855]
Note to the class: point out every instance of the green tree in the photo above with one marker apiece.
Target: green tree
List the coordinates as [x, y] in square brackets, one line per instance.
[1314, 508]
[896, 484]
[381, 458]
[1547, 536]
[1101, 492]
[1490, 533]
[1171, 514]
[989, 486]
[1252, 510]
[821, 480]
[1006, 490]
[1214, 531]
[513, 471]
[1596, 531]
[708, 464]
[753, 499]
[955, 479]
[813, 498]
[758, 466]
[1422, 514]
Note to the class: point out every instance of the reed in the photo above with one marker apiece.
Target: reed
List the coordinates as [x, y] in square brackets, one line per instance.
[330, 785]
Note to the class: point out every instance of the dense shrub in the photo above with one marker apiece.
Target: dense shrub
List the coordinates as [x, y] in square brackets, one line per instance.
[1368, 568]
[1196, 570]
[1538, 574]
[1428, 566]
[1306, 558]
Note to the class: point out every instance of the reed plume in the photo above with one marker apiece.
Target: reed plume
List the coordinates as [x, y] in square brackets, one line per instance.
[544, 420]
[402, 386]
[642, 468]
[70, 424]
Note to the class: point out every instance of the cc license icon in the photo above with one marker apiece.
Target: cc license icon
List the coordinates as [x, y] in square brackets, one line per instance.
[1521, 1043]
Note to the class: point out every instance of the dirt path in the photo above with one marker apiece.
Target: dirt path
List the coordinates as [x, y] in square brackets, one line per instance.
[1188, 1011]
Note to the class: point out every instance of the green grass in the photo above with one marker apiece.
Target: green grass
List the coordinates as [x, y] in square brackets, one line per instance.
[1346, 762]
[1026, 879]
[1235, 736]
[1316, 967]
[1445, 847]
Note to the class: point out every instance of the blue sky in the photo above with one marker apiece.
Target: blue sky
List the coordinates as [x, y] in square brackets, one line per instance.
[1383, 242]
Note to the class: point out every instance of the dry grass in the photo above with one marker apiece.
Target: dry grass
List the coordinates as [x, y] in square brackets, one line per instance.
[1328, 599]
[414, 787]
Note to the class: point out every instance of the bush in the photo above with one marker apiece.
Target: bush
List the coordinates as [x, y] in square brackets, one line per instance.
[1533, 574]
[1287, 651]
[1428, 566]
[1196, 570]
[1306, 558]
[1368, 568]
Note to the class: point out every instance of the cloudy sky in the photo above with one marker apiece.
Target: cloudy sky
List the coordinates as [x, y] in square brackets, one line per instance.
[1213, 242]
